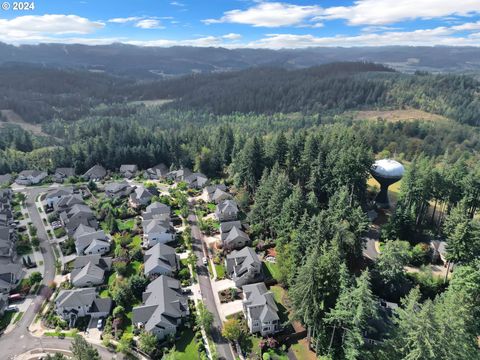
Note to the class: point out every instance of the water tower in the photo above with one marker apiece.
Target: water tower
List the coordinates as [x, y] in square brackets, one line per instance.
[386, 172]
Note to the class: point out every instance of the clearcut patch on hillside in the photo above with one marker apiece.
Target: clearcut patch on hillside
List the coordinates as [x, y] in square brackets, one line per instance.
[397, 115]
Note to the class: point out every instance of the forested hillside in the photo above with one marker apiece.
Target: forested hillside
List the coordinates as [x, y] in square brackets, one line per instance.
[40, 94]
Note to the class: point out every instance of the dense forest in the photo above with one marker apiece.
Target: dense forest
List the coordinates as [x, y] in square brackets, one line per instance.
[41, 94]
[299, 165]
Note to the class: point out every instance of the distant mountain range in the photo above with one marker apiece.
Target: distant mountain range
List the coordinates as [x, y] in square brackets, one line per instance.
[158, 62]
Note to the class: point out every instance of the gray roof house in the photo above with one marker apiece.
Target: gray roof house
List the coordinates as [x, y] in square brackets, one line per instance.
[157, 172]
[128, 171]
[54, 196]
[161, 259]
[220, 195]
[89, 241]
[226, 210]
[260, 309]
[140, 197]
[67, 201]
[163, 309]
[95, 173]
[10, 276]
[209, 190]
[157, 211]
[157, 231]
[78, 214]
[196, 180]
[244, 266]
[89, 270]
[30, 177]
[7, 242]
[61, 174]
[118, 190]
[179, 175]
[72, 304]
[235, 239]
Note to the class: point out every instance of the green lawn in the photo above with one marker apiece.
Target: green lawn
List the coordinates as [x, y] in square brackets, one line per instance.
[185, 346]
[124, 225]
[279, 294]
[133, 268]
[18, 317]
[136, 242]
[271, 270]
[220, 269]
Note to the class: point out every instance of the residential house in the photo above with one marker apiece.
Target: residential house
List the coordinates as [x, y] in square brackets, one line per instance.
[209, 190]
[8, 238]
[78, 214]
[179, 175]
[54, 196]
[66, 202]
[89, 270]
[62, 174]
[163, 307]
[140, 197]
[89, 241]
[95, 173]
[3, 303]
[196, 180]
[157, 172]
[234, 239]
[260, 309]
[226, 210]
[129, 171]
[5, 179]
[118, 190]
[158, 211]
[72, 304]
[30, 177]
[244, 266]
[161, 259]
[10, 275]
[157, 231]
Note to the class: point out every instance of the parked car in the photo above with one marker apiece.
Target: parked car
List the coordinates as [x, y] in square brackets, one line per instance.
[11, 308]
[100, 324]
[205, 261]
[16, 297]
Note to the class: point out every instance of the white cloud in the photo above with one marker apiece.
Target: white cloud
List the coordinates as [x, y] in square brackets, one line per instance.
[269, 14]
[232, 36]
[380, 12]
[35, 26]
[176, 3]
[124, 20]
[425, 37]
[149, 24]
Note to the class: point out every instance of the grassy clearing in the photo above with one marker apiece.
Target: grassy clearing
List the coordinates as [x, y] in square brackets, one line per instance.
[397, 115]
[220, 269]
[185, 346]
[271, 270]
[125, 225]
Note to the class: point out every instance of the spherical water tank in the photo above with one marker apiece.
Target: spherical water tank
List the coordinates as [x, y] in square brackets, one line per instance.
[386, 172]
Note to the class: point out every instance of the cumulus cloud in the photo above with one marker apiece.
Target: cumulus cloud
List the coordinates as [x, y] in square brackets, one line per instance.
[124, 20]
[381, 12]
[36, 26]
[149, 24]
[269, 14]
[232, 36]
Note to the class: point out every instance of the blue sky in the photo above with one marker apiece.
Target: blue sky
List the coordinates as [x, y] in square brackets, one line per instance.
[246, 23]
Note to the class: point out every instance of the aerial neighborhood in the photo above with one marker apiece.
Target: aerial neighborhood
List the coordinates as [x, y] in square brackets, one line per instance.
[109, 229]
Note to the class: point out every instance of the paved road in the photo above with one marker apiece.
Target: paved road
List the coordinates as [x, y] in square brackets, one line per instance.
[373, 235]
[223, 347]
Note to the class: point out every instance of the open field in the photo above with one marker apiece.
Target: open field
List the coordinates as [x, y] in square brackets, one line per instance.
[159, 102]
[13, 118]
[397, 115]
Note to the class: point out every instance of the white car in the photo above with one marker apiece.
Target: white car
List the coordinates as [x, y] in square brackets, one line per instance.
[100, 324]
[205, 261]
[11, 308]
